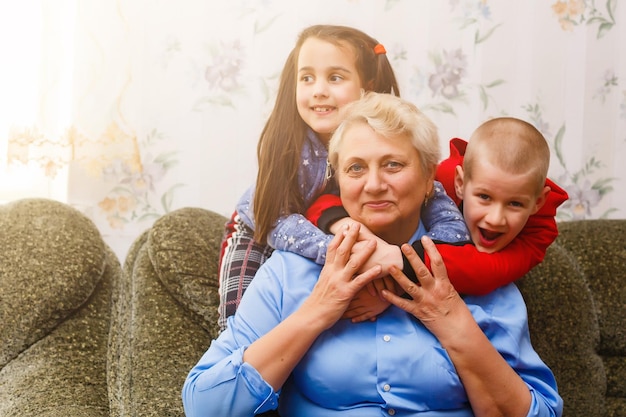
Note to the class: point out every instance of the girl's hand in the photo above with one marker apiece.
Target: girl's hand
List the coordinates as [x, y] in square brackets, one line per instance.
[340, 279]
[385, 255]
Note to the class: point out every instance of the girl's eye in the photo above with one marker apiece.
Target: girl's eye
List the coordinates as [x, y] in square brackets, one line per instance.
[306, 78]
[335, 78]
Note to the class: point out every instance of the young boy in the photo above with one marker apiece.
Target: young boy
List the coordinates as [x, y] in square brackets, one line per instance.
[499, 180]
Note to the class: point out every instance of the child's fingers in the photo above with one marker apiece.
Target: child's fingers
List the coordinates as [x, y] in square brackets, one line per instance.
[371, 289]
[340, 247]
[437, 265]
[411, 288]
[364, 317]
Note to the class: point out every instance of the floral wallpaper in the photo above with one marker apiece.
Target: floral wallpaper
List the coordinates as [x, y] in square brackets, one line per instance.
[166, 100]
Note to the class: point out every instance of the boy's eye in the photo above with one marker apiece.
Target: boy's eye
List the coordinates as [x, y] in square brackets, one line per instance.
[483, 196]
[516, 204]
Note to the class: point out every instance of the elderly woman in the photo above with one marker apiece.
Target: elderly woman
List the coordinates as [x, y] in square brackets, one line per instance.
[431, 353]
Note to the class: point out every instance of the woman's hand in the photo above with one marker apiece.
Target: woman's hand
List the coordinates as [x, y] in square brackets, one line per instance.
[433, 301]
[275, 354]
[492, 386]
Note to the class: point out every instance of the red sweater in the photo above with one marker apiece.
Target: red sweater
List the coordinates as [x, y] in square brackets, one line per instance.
[471, 271]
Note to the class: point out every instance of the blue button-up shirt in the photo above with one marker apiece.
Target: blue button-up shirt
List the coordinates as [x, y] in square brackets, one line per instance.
[391, 366]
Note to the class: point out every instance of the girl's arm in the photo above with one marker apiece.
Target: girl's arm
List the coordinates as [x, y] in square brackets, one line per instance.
[292, 233]
[442, 217]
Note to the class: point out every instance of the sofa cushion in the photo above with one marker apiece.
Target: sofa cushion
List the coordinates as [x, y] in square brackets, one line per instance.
[564, 330]
[51, 260]
[184, 250]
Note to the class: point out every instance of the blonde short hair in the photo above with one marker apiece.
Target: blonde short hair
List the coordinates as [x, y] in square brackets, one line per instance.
[513, 145]
[391, 117]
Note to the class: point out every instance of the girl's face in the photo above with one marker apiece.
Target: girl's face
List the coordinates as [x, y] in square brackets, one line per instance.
[381, 182]
[327, 80]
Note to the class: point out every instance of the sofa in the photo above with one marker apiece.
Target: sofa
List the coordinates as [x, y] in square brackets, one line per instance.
[83, 335]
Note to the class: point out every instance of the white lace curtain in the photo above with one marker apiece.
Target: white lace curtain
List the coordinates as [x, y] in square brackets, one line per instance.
[129, 109]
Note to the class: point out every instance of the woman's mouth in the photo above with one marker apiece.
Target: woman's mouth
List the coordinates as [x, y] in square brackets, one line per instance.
[377, 205]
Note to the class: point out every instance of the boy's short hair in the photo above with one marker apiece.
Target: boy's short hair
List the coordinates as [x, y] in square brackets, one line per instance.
[511, 144]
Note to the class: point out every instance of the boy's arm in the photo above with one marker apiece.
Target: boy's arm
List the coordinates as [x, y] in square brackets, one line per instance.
[477, 273]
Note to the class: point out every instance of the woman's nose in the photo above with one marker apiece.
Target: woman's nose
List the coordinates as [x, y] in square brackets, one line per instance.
[374, 181]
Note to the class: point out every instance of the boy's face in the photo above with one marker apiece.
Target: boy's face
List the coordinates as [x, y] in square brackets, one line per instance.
[496, 204]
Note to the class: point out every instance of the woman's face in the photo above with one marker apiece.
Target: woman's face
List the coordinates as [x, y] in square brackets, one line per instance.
[381, 182]
[327, 80]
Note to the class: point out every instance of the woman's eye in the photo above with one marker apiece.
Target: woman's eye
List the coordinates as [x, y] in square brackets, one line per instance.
[354, 169]
[393, 165]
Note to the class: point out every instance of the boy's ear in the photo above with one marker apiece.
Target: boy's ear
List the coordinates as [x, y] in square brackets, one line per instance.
[458, 182]
[541, 199]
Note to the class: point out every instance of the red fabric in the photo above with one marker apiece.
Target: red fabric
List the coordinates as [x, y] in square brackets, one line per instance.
[323, 202]
[446, 168]
[229, 229]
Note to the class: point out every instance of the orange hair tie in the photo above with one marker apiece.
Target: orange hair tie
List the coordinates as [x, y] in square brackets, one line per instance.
[379, 49]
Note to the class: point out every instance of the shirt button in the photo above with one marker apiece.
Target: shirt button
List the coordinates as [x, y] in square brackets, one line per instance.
[386, 387]
[392, 412]
[386, 338]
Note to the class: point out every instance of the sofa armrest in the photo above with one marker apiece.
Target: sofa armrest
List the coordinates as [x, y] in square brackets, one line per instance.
[56, 280]
[184, 249]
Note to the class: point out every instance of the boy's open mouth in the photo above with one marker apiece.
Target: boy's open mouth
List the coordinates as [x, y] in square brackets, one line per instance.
[489, 235]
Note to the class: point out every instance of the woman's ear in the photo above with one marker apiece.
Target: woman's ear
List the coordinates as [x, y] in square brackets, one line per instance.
[431, 184]
[458, 181]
